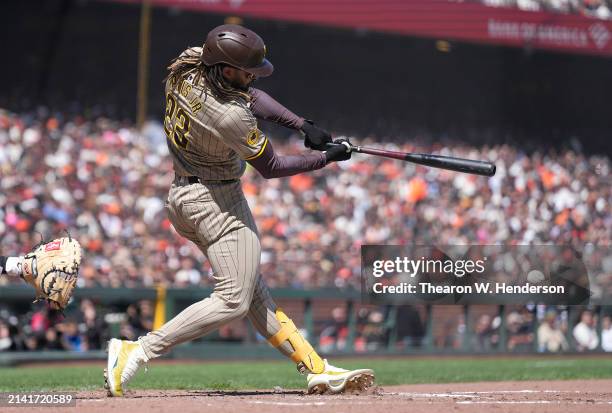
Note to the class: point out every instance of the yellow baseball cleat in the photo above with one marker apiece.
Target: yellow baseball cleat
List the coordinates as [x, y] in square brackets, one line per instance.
[336, 380]
[124, 360]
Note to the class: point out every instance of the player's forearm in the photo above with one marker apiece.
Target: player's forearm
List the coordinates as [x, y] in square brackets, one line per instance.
[271, 165]
[266, 107]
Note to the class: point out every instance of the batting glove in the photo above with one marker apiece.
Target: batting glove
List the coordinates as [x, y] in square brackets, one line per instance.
[340, 150]
[315, 137]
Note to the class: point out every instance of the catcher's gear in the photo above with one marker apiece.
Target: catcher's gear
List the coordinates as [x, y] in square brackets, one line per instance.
[52, 269]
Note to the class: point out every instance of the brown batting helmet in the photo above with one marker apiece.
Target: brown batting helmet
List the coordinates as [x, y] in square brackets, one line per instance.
[237, 46]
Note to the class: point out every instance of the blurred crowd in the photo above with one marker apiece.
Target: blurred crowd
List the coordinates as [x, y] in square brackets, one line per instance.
[601, 9]
[545, 329]
[106, 182]
[86, 327]
[376, 328]
[541, 328]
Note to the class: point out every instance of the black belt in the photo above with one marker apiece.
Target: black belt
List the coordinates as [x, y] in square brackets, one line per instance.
[188, 180]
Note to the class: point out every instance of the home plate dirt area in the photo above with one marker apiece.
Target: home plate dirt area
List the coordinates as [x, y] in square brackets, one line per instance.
[499, 397]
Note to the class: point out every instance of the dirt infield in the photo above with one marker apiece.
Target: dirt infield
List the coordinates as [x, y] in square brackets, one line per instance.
[500, 397]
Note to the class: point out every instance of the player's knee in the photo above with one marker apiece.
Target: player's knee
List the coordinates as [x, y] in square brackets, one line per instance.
[239, 305]
[239, 310]
[242, 311]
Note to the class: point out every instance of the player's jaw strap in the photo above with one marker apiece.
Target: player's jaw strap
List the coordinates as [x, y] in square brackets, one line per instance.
[302, 350]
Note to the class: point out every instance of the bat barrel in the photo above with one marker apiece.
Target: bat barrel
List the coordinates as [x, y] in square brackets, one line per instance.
[454, 164]
[469, 166]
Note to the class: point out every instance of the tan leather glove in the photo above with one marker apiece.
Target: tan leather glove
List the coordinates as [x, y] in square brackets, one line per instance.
[52, 269]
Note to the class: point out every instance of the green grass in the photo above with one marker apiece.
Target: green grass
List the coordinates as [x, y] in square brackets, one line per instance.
[266, 375]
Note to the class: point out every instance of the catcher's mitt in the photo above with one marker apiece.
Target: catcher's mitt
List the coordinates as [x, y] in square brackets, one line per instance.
[52, 269]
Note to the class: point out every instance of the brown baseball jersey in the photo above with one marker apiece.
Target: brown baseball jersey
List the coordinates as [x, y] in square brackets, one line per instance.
[207, 137]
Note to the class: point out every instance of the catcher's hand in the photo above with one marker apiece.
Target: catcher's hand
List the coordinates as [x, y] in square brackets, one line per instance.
[52, 269]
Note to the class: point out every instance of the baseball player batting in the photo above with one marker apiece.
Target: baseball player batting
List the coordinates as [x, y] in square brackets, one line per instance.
[211, 128]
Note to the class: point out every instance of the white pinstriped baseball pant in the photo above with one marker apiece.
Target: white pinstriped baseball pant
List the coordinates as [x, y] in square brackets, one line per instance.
[217, 218]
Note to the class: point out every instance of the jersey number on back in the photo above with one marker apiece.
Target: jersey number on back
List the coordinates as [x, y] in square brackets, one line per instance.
[176, 122]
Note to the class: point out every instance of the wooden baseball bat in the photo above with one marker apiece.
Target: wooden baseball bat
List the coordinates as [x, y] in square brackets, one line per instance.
[436, 161]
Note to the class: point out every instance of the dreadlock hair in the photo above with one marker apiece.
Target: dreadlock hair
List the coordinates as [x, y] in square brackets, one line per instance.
[189, 62]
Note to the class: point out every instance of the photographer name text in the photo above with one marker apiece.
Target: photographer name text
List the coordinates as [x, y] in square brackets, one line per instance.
[478, 288]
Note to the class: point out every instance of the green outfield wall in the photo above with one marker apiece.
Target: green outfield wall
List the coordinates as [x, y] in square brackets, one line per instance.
[310, 309]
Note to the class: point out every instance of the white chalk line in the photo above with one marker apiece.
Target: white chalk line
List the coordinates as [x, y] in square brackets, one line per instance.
[459, 394]
[505, 402]
[531, 402]
[482, 397]
[426, 395]
[286, 403]
[487, 397]
[332, 402]
[517, 391]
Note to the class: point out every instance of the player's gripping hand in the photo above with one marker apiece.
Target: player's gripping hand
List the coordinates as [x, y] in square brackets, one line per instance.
[52, 270]
[315, 137]
[339, 150]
